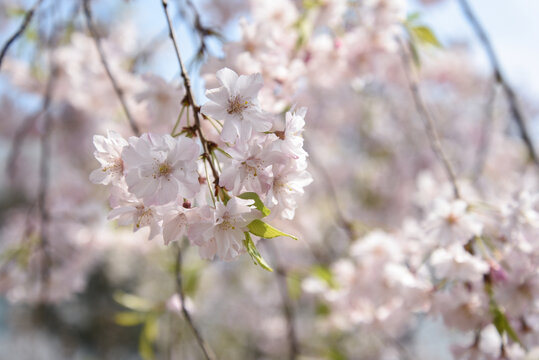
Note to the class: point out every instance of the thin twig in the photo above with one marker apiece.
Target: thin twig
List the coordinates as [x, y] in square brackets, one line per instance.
[29, 122]
[190, 97]
[44, 171]
[486, 135]
[500, 78]
[340, 219]
[18, 139]
[117, 89]
[26, 21]
[201, 30]
[426, 116]
[287, 306]
[208, 354]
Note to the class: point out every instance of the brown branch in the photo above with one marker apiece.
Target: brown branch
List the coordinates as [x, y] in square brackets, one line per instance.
[500, 78]
[287, 305]
[201, 30]
[19, 137]
[44, 171]
[208, 354]
[428, 121]
[486, 135]
[190, 98]
[26, 21]
[339, 216]
[117, 89]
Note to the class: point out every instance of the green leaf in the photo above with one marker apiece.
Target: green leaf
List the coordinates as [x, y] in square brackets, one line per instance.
[147, 338]
[294, 287]
[424, 35]
[324, 274]
[224, 152]
[413, 17]
[502, 324]
[322, 309]
[335, 353]
[259, 228]
[253, 252]
[15, 11]
[129, 318]
[133, 302]
[259, 205]
[415, 54]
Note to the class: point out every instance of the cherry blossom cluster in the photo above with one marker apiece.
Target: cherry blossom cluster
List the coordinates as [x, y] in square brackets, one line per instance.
[472, 264]
[162, 181]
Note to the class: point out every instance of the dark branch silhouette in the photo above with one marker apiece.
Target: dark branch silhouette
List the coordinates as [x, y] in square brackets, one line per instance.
[117, 89]
[26, 21]
[428, 121]
[514, 107]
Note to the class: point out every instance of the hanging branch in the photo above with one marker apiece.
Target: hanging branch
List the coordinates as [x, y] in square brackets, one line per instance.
[203, 31]
[44, 172]
[287, 305]
[117, 89]
[208, 354]
[191, 99]
[486, 135]
[26, 21]
[500, 78]
[338, 214]
[428, 122]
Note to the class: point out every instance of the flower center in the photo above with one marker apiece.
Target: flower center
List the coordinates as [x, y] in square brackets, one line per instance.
[116, 166]
[237, 105]
[164, 169]
[145, 216]
[452, 219]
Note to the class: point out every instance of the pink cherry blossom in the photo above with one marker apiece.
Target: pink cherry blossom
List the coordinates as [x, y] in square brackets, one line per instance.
[159, 168]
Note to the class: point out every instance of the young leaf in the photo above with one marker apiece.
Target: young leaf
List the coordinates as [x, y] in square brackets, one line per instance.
[259, 205]
[324, 274]
[133, 302]
[129, 318]
[502, 324]
[147, 339]
[259, 228]
[425, 35]
[253, 252]
[224, 152]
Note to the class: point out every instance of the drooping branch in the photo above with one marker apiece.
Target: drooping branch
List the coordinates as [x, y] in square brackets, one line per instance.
[208, 354]
[514, 107]
[287, 305]
[44, 172]
[190, 97]
[26, 21]
[117, 89]
[486, 134]
[338, 214]
[201, 30]
[428, 121]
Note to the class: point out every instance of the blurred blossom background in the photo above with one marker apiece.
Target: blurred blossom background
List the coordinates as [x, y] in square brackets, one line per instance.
[418, 237]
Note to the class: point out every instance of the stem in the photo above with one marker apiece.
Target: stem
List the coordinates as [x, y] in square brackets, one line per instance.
[208, 354]
[500, 78]
[287, 305]
[117, 89]
[428, 121]
[178, 121]
[339, 216]
[189, 94]
[44, 175]
[27, 18]
[486, 135]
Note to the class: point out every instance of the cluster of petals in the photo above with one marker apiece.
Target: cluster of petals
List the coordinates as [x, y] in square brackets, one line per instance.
[157, 182]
